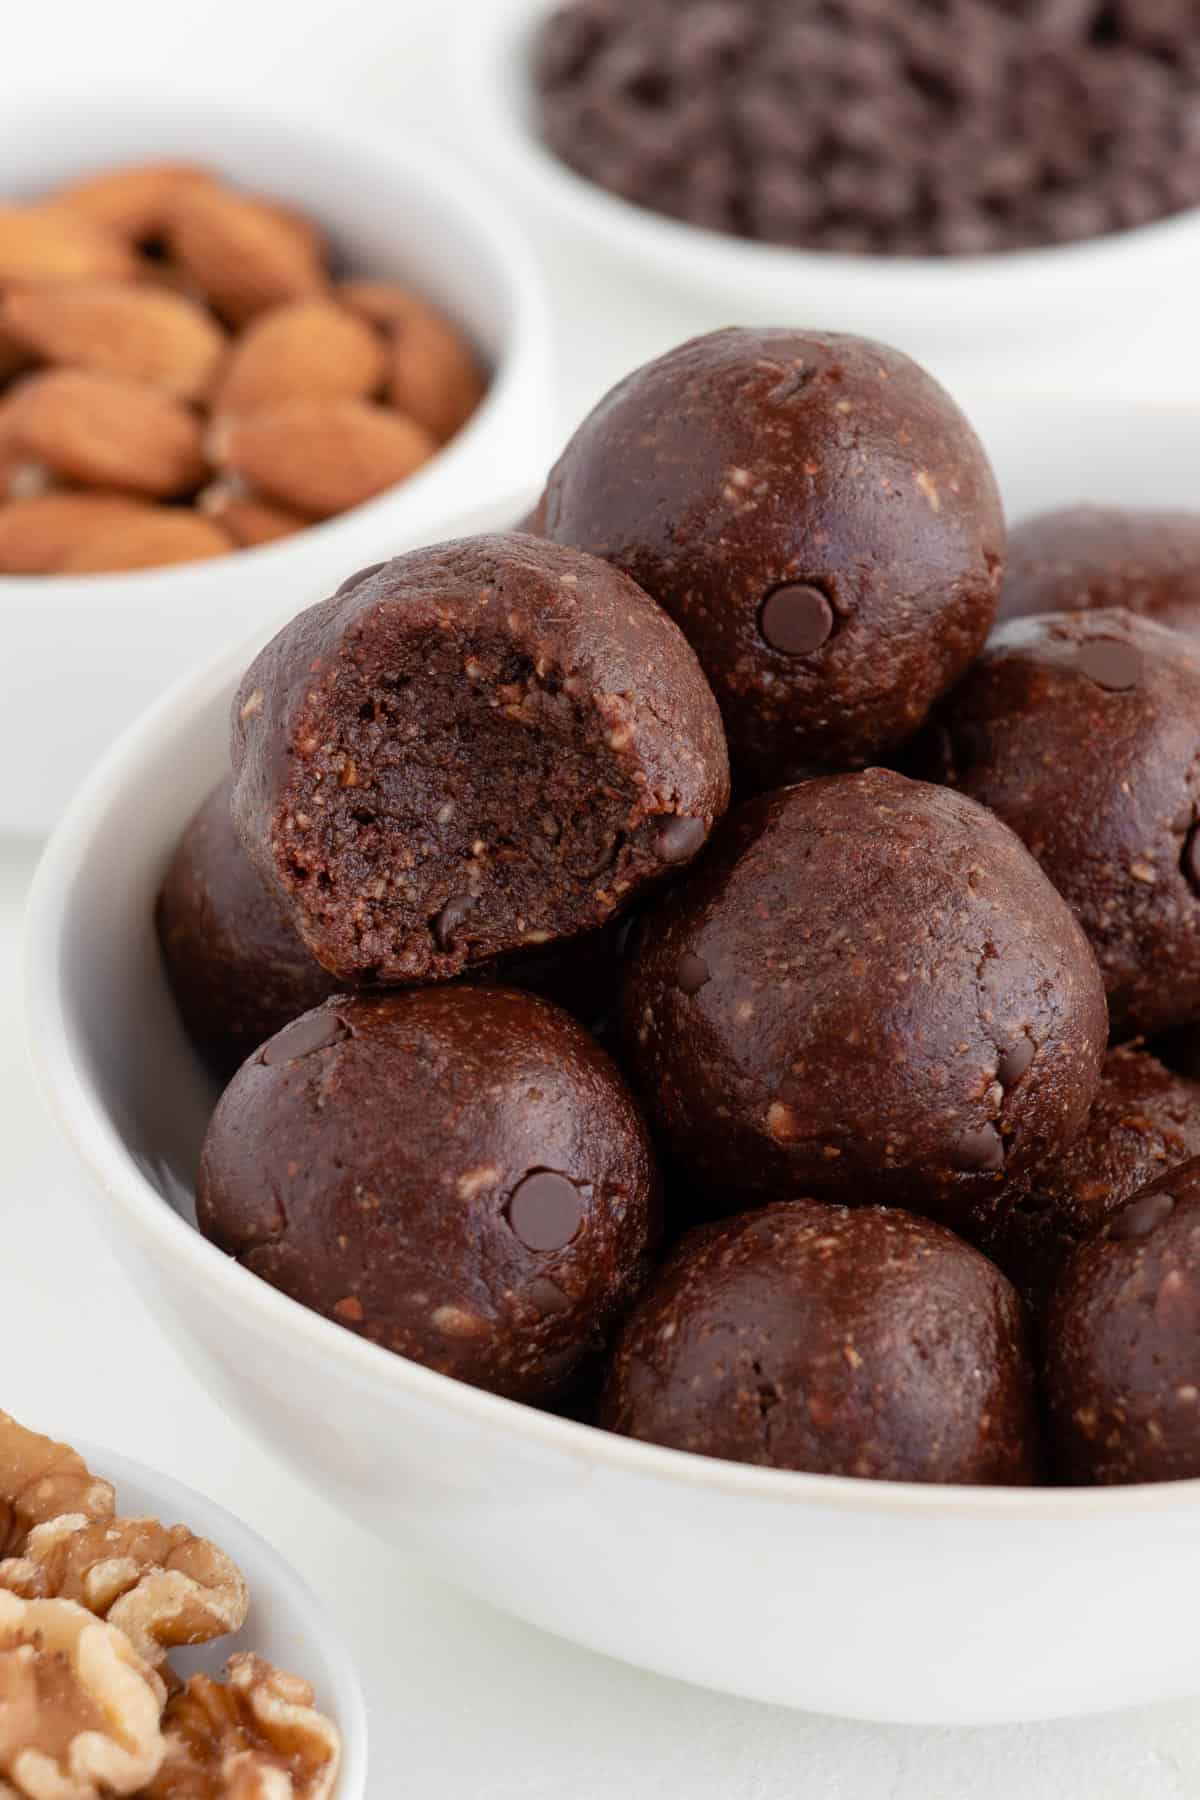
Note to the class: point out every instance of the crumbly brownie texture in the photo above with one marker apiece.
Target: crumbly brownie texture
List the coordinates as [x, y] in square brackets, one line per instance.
[1121, 1379]
[236, 965]
[1082, 731]
[818, 516]
[1086, 557]
[1144, 1122]
[458, 1174]
[841, 1341]
[867, 991]
[936, 127]
[489, 744]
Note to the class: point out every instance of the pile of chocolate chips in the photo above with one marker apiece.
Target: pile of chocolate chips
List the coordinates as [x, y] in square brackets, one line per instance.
[935, 127]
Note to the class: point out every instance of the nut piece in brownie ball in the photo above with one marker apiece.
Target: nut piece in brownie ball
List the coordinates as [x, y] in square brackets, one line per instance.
[1144, 1121]
[457, 1173]
[844, 1341]
[1086, 557]
[867, 991]
[235, 962]
[819, 517]
[1082, 732]
[1122, 1357]
[490, 744]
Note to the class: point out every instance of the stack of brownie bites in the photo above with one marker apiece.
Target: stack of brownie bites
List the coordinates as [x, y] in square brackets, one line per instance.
[720, 960]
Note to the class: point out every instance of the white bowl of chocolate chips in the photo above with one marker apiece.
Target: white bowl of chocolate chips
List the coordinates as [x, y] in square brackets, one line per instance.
[953, 1590]
[997, 181]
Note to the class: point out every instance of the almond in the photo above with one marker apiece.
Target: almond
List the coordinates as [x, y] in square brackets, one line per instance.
[132, 202]
[305, 350]
[139, 333]
[247, 517]
[384, 304]
[36, 534]
[108, 433]
[48, 243]
[243, 255]
[436, 378]
[147, 539]
[301, 225]
[323, 456]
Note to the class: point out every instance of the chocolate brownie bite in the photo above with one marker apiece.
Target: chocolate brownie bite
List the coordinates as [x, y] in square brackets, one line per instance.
[818, 516]
[1082, 731]
[1088, 557]
[457, 1173]
[841, 1341]
[235, 962]
[1122, 1359]
[868, 991]
[487, 745]
[1144, 1122]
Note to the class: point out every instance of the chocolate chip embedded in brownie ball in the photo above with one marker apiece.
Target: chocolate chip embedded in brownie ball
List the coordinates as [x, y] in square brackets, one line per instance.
[1086, 557]
[819, 517]
[868, 991]
[1082, 731]
[1144, 1121]
[1122, 1356]
[458, 1174]
[490, 744]
[235, 962]
[842, 1341]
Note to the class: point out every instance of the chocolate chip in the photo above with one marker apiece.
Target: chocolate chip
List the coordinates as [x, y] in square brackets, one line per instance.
[352, 581]
[680, 838]
[545, 1211]
[980, 1150]
[1110, 663]
[796, 619]
[444, 924]
[1013, 1063]
[691, 973]
[312, 1031]
[547, 1296]
[1140, 1217]
[1189, 862]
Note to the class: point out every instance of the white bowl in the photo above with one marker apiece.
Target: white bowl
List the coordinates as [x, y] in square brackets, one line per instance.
[880, 1600]
[287, 1624]
[941, 309]
[84, 654]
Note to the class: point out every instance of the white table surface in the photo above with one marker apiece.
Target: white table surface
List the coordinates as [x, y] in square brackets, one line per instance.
[465, 1705]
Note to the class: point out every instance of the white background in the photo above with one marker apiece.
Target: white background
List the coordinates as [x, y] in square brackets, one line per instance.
[465, 1705]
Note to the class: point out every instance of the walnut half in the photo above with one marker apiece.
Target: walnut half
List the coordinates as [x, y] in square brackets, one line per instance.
[79, 1710]
[40, 1480]
[255, 1736]
[161, 1585]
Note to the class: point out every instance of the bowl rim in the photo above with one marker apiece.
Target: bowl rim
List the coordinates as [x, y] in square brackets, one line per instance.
[493, 63]
[82, 1120]
[332, 138]
[347, 1705]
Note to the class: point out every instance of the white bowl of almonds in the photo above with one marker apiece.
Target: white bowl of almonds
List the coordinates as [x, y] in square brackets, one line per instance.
[238, 356]
[141, 1656]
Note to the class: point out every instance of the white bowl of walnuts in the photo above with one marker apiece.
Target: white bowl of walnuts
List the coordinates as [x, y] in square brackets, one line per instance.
[238, 355]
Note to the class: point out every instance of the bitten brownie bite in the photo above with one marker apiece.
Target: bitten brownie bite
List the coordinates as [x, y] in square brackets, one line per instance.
[1122, 1359]
[490, 744]
[842, 1341]
[867, 991]
[1086, 557]
[1144, 1121]
[457, 1173]
[1082, 731]
[235, 962]
[819, 517]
